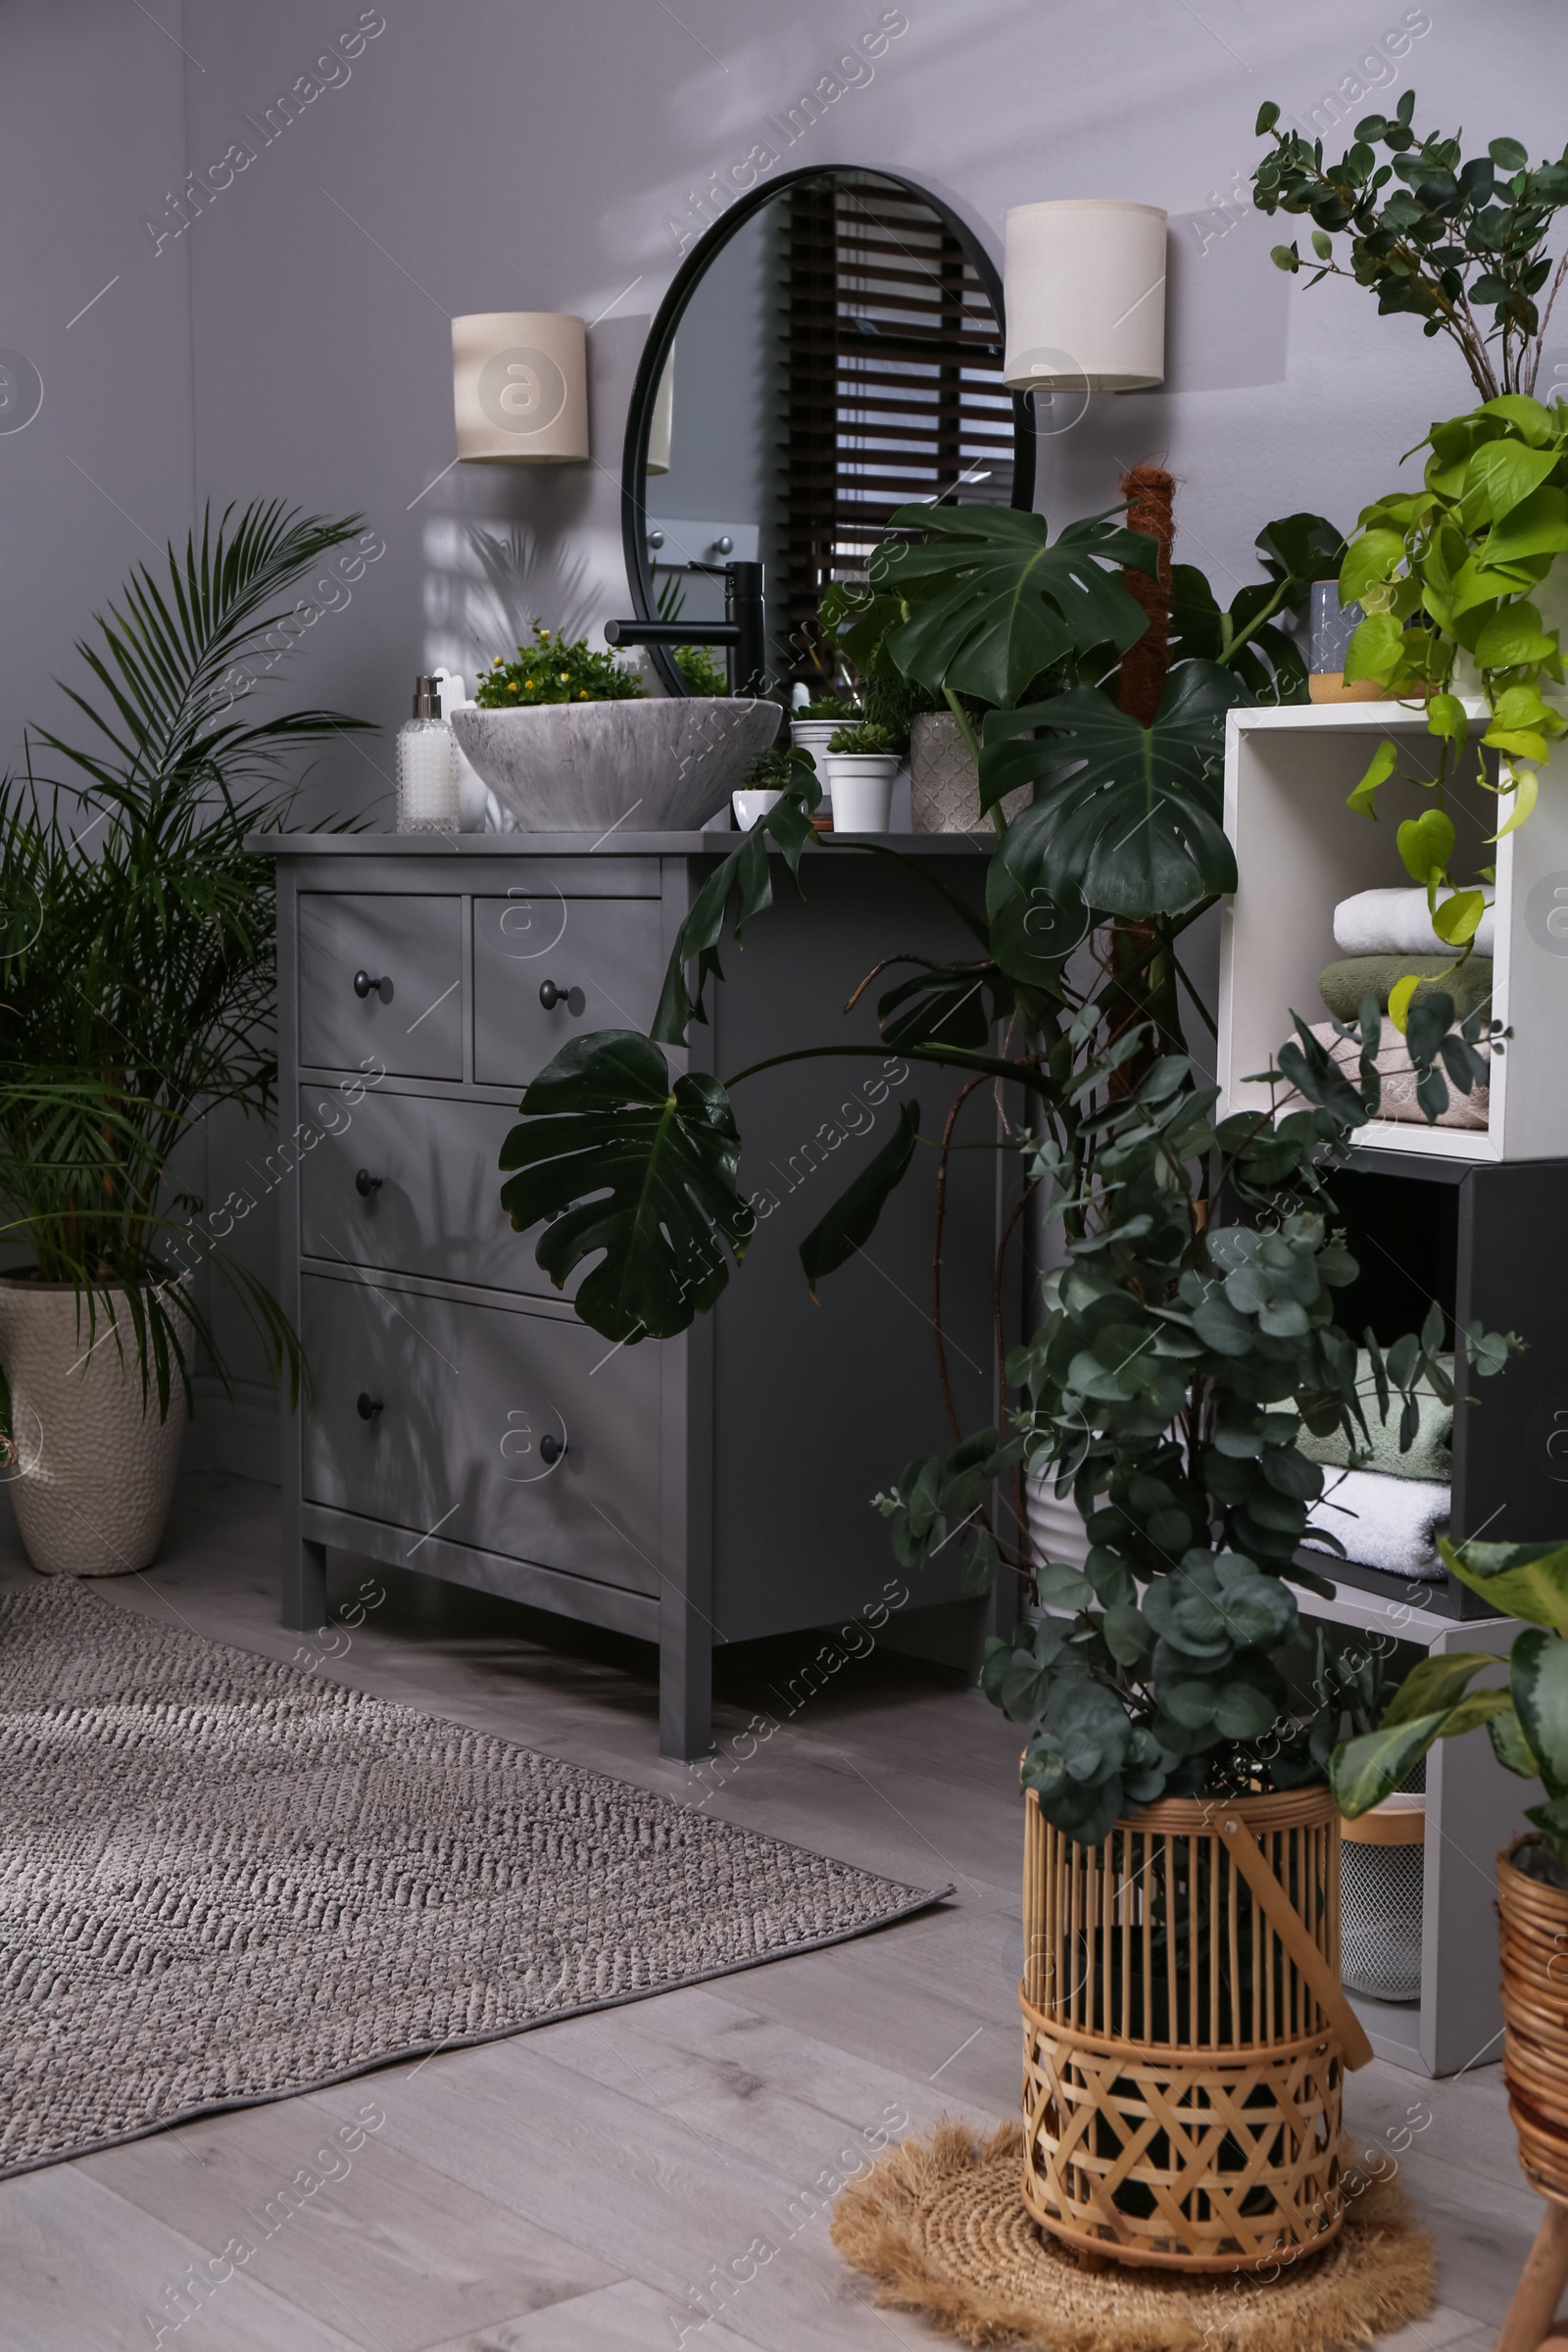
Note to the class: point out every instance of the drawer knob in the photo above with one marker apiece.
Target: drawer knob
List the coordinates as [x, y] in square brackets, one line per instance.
[367, 1406]
[551, 1450]
[366, 986]
[365, 1184]
[552, 994]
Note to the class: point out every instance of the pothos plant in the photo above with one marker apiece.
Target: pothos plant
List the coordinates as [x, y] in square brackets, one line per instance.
[1452, 578]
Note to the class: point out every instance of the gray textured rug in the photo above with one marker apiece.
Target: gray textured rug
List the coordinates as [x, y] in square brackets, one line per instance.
[223, 1881]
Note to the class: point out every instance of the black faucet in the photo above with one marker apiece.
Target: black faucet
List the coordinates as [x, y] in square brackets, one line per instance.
[743, 631]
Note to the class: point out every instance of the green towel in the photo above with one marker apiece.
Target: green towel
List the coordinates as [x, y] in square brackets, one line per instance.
[1343, 985]
[1430, 1457]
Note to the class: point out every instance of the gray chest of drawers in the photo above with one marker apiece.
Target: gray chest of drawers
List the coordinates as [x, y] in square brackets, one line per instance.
[704, 1490]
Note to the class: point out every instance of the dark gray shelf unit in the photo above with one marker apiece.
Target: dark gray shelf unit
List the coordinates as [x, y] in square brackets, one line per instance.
[1489, 1243]
[708, 1489]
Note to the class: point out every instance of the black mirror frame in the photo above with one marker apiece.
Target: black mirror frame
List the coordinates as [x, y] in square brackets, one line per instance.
[661, 341]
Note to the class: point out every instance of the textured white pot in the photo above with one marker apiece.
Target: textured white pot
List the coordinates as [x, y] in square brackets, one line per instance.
[95, 1468]
[652, 767]
[944, 781]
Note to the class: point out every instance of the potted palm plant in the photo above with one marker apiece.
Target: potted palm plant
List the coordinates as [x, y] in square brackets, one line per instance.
[136, 930]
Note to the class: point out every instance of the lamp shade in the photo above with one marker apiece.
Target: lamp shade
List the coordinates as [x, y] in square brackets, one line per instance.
[521, 388]
[1084, 288]
[661, 423]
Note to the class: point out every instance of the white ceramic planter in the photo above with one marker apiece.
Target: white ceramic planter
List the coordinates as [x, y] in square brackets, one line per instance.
[95, 1468]
[813, 735]
[663, 765]
[861, 786]
[750, 806]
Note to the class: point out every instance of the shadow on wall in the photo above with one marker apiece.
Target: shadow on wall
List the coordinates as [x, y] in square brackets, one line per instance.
[1227, 307]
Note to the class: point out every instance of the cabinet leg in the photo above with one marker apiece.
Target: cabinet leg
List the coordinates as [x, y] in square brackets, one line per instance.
[1540, 2283]
[304, 1585]
[685, 1685]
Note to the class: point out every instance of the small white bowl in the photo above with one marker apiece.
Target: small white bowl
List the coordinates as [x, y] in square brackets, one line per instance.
[748, 806]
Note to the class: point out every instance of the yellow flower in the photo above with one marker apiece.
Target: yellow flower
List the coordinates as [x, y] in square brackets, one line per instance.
[512, 687]
[527, 681]
[583, 696]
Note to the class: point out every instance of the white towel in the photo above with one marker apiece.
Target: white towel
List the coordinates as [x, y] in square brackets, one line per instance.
[1396, 922]
[1388, 1523]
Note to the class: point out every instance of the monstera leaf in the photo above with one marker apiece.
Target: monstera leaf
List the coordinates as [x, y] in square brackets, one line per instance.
[622, 1159]
[1133, 827]
[851, 1220]
[994, 599]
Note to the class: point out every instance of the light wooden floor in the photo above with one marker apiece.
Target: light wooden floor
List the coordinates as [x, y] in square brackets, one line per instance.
[578, 2189]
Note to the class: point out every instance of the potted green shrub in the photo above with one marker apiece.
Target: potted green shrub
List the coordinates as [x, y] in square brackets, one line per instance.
[567, 739]
[814, 725]
[858, 771]
[1527, 1720]
[137, 1000]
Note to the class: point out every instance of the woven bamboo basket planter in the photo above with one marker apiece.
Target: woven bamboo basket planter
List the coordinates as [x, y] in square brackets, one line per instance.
[1186, 2034]
[1535, 2011]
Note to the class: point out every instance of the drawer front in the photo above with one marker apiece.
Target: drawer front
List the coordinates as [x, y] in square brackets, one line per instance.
[471, 1400]
[411, 944]
[410, 1185]
[596, 961]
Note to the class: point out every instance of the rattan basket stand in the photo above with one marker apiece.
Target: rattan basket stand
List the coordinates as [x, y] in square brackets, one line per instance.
[1185, 2034]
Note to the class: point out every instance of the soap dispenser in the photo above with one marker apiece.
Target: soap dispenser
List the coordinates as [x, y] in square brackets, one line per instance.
[428, 767]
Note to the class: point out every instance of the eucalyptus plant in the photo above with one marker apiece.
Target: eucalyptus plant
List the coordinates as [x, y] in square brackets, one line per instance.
[1430, 232]
[1180, 1356]
[138, 933]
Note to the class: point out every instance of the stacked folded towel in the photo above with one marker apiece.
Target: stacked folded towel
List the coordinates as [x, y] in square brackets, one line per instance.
[1398, 922]
[1431, 1456]
[1388, 1523]
[1343, 983]
[1399, 1081]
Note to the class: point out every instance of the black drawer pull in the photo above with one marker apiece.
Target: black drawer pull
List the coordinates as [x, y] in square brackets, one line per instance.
[365, 1184]
[551, 1450]
[367, 1406]
[366, 986]
[549, 995]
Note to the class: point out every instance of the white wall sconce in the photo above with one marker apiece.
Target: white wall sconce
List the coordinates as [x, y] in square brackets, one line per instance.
[1084, 283]
[521, 388]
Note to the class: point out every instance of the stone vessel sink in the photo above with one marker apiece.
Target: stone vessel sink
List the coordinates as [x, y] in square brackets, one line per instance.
[657, 767]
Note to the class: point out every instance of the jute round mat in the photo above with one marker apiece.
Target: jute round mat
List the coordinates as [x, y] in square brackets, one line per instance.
[941, 2227]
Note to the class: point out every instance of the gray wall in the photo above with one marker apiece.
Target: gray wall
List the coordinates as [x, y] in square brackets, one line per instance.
[492, 154]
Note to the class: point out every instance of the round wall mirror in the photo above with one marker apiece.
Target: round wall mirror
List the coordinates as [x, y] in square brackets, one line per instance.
[829, 351]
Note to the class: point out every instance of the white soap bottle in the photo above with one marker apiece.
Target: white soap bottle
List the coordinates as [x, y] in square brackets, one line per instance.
[428, 767]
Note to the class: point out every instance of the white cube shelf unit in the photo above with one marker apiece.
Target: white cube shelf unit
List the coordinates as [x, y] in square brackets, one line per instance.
[1299, 849]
